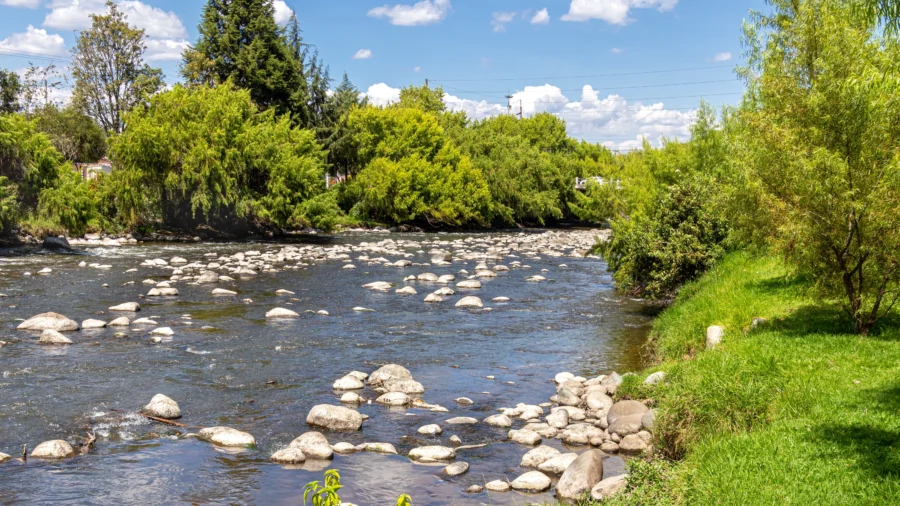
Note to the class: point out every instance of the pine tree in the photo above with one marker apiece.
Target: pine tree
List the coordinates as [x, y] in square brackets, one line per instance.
[338, 135]
[240, 41]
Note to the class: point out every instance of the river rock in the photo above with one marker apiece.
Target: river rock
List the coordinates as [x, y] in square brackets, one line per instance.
[56, 449]
[464, 401]
[348, 383]
[558, 419]
[280, 312]
[597, 400]
[208, 277]
[57, 243]
[655, 378]
[378, 286]
[406, 386]
[162, 331]
[389, 371]
[128, 307]
[433, 298]
[473, 302]
[288, 456]
[557, 465]
[430, 430]
[226, 436]
[163, 292]
[632, 443]
[432, 454]
[609, 487]
[648, 421]
[502, 421]
[406, 290]
[314, 445]
[351, 398]
[361, 376]
[538, 456]
[456, 469]
[497, 486]
[532, 481]
[93, 324]
[714, 336]
[394, 399]
[475, 489]
[566, 397]
[385, 448]
[334, 418]
[525, 437]
[343, 448]
[4, 457]
[625, 408]
[162, 407]
[49, 321]
[121, 321]
[50, 336]
[462, 420]
[470, 284]
[284, 292]
[581, 476]
[221, 292]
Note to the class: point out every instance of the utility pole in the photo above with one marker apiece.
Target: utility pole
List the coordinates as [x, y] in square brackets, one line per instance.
[508, 105]
[520, 109]
[426, 82]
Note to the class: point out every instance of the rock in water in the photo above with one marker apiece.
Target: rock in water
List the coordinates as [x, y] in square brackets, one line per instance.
[470, 302]
[314, 445]
[406, 386]
[498, 421]
[532, 481]
[348, 383]
[57, 244]
[334, 418]
[378, 286]
[162, 407]
[4, 457]
[207, 277]
[385, 448]
[49, 321]
[432, 454]
[609, 487]
[558, 465]
[289, 456]
[56, 449]
[163, 292]
[128, 307]
[497, 486]
[390, 371]
[122, 321]
[93, 324]
[582, 475]
[456, 469]
[394, 399]
[221, 292]
[538, 456]
[226, 436]
[279, 312]
[430, 430]
[53, 337]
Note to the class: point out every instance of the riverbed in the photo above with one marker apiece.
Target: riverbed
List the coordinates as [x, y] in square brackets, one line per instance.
[264, 375]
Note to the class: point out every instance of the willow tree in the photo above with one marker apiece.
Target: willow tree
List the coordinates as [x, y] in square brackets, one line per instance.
[109, 70]
[818, 148]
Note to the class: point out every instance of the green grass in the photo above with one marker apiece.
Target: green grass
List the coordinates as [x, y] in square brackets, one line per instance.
[799, 411]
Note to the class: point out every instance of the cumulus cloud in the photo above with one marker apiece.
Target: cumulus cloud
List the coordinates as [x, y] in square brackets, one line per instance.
[726, 56]
[165, 49]
[616, 50]
[282, 12]
[613, 11]
[417, 69]
[34, 40]
[500, 19]
[542, 17]
[363, 54]
[422, 13]
[76, 15]
[611, 120]
[31, 4]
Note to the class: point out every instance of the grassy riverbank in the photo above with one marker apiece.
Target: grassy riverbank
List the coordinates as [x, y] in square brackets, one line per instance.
[797, 411]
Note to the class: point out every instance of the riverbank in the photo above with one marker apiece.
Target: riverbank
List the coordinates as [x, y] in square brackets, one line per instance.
[794, 409]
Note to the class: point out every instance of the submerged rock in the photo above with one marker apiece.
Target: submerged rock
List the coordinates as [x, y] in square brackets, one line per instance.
[49, 321]
[279, 312]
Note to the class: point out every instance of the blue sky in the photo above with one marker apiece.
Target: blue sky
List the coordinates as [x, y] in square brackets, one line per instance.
[562, 56]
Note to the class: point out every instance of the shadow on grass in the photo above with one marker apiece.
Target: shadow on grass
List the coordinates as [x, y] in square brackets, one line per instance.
[876, 447]
[831, 319]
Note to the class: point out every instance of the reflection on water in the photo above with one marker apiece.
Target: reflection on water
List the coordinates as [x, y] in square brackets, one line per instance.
[263, 377]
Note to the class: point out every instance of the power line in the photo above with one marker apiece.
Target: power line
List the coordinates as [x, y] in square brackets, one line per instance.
[37, 56]
[583, 76]
[663, 85]
[632, 99]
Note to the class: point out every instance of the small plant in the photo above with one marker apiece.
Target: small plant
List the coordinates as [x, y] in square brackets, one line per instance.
[327, 495]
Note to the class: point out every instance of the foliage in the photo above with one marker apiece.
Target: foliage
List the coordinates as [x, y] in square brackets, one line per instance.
[422, 98]
[818, 152]
[208, 156]
[109, 70]
[74, 134]
[327, 494]
[9, 207]
[71, 203]
[10, 89]
[27, 159]
[37, 86]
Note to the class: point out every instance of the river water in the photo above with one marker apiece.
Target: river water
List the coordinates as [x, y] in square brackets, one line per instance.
[264, 376]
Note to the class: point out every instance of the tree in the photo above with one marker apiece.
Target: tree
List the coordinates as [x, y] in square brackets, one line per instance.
[240, 41]
[423, 98]
[887, 11]
[10, 90]
[74, 134]
[208, 156]
[110, 75]
[339, 136]
[818, 148]
[38, 84]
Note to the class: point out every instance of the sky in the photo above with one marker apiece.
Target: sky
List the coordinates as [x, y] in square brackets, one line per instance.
[617, 71]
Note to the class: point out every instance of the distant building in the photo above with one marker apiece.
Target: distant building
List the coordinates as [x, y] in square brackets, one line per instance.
[90, 171]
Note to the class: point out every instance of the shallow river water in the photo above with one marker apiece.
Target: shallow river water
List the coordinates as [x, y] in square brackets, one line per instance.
[264, 376]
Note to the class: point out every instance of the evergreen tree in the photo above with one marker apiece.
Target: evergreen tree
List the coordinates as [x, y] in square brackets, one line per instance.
[339, 135]
[240, 41]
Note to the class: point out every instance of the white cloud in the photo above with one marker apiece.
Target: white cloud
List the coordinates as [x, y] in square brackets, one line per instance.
[612, 120]
[422, 13]
[541, 18]
[381, 94]
[282, 12]
[726, 56]
[363, 54]
[612, 11]
[34, 40]
[500, 19]
[616, 50]
[165, 49]
[76, 15]
[417, 69]
[31, 4]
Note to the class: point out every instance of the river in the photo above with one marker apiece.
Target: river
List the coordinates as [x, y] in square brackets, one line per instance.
[263, 376]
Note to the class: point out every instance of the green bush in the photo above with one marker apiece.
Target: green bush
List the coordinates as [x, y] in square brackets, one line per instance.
[72, 204]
